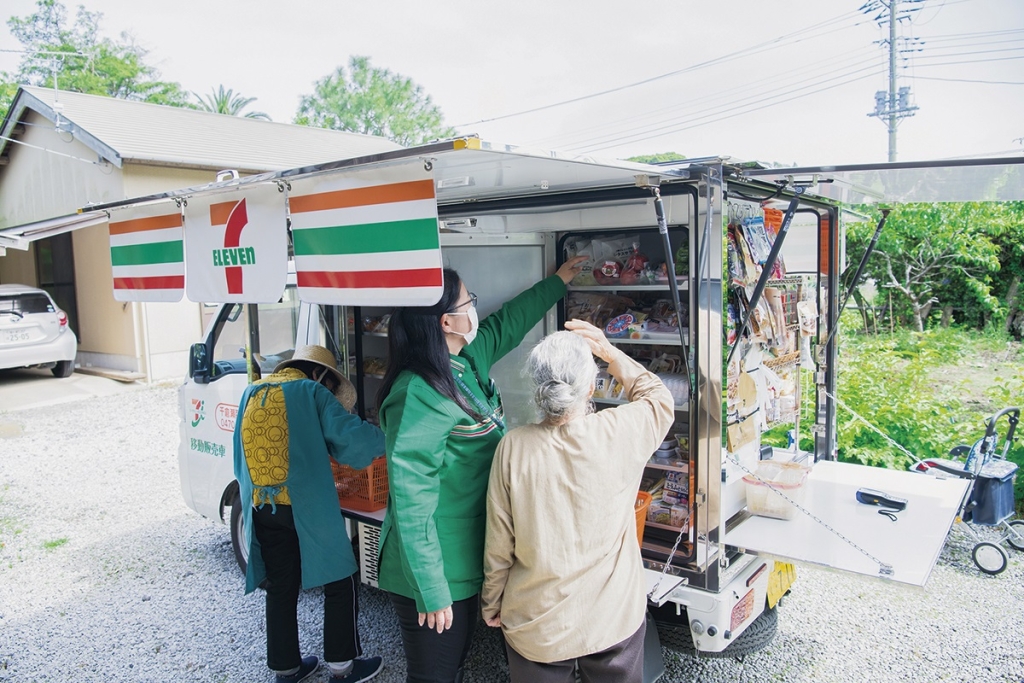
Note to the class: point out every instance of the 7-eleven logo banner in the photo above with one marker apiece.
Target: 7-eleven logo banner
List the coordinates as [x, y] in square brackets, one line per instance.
[236, 246]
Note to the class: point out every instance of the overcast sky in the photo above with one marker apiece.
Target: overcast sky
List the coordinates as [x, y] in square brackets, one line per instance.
[788, 81]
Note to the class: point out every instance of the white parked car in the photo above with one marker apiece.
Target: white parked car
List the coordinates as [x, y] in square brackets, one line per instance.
[34, 332]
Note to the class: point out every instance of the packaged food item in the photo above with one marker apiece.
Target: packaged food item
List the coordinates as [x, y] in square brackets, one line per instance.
[634, 266]
[582, 247]
[602, 384]
[618, 326]
[607, 272]
[678, 515]
[659, 513]
[757, 238]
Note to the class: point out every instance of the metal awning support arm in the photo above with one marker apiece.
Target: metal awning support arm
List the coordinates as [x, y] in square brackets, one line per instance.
[834, 324]
[670, 271]
[766, 269]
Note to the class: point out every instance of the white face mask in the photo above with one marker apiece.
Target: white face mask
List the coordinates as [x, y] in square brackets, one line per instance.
[474, 325]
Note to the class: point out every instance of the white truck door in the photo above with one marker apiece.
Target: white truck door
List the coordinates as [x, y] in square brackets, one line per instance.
[209, 408]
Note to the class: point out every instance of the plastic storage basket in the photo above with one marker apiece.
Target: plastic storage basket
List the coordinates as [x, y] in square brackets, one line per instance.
[365, 490]
[775, 489]
[643, 501]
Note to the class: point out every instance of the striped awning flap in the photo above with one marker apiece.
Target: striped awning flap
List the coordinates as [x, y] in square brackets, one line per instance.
[147, 253]
[367, 239]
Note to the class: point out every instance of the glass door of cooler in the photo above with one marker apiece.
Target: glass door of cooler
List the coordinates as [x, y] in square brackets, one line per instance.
[625, 291]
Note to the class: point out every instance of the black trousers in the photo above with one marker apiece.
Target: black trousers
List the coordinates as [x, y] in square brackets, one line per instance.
[621, 663]
[432, 657]
[279, 546]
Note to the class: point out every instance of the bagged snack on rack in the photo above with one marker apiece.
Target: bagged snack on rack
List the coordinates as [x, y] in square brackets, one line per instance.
[634, 266]
[585, 306]
[757, 238]
[581, 247]
[613, 248]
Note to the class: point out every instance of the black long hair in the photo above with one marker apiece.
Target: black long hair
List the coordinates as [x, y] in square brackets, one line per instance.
[416, 342]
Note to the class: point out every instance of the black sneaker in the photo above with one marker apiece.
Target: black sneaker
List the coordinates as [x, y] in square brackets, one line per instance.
[362, 670]
[308, 666]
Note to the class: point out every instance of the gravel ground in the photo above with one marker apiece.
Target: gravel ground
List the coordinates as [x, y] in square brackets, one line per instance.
[105, 575]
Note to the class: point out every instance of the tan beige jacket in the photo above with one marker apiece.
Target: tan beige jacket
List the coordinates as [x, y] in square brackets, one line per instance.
[561, 562]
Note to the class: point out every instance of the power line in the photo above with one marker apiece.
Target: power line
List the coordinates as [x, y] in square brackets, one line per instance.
[725, 98]
[972, 61]
[965, 80]
[687, 125]
[770, 44]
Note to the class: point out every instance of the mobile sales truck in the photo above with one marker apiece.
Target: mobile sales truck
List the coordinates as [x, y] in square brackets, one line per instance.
[723, 278]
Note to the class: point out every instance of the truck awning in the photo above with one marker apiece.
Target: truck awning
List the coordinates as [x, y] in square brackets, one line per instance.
[21, 236]
[946, 180]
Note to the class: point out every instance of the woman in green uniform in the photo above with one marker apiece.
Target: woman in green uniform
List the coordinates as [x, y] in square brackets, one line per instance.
[442, 419]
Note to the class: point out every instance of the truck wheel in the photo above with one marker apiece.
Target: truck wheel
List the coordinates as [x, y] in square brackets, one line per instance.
[756, 636]
[63, 368]
[238, 538]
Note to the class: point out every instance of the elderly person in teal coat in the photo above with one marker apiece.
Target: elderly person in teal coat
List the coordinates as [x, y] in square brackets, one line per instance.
[289, 425]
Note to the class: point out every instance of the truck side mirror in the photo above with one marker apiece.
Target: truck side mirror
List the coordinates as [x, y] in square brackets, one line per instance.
[199, 363]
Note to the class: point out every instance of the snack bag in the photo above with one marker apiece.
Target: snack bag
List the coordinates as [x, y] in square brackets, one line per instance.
[582, 247]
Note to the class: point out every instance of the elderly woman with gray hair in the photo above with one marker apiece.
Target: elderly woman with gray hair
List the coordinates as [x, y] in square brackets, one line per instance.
[562, 571]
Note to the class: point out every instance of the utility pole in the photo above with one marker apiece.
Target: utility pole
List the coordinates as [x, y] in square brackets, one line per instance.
[893, 105]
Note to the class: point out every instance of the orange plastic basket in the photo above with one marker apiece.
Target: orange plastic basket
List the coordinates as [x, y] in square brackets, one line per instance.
[643, 501]
[365, 490]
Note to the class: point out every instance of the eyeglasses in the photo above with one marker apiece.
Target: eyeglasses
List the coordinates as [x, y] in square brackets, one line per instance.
[472, 301]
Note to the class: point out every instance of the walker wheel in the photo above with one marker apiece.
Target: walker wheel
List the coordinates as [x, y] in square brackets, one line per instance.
[1017, 541]
[990, 558]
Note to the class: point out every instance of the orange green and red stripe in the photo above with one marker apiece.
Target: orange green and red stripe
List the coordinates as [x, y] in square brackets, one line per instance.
[147, 255]
[366, 245]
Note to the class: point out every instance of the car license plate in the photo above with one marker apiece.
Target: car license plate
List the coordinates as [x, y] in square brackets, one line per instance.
[14, 336]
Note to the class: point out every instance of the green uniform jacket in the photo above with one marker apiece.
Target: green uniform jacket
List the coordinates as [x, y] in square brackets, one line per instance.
[318, 428]
[439, 461]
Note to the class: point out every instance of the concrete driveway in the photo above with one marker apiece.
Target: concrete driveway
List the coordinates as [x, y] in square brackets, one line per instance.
[32, 388]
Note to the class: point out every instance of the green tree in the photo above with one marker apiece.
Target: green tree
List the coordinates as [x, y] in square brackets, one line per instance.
[934, 254]
[657, 158]
[82, 60]
[374, 101]
[221, 101]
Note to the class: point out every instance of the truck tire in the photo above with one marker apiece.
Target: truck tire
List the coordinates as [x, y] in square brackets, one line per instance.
[63, 368]
[756, 636]
[238, 537]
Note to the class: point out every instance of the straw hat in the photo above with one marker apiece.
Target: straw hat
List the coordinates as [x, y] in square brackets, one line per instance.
[317, 355]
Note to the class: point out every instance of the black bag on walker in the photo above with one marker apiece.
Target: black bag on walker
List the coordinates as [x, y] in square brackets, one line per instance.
[992, 496]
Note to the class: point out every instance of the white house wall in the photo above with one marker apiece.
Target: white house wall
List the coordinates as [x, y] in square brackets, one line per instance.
[36, 185]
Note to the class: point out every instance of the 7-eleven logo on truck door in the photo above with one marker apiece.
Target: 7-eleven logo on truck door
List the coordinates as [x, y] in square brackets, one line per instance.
[236, 248]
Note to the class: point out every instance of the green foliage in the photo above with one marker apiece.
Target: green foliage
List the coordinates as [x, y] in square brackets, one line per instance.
[55, 543]
[84, 61]
[887, 381]
[939, 255]
[374, 101]
[657, 158]
[221, 101]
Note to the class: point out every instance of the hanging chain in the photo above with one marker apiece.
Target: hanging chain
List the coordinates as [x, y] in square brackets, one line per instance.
[668, 563]
[871, 426]
[884, 569]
